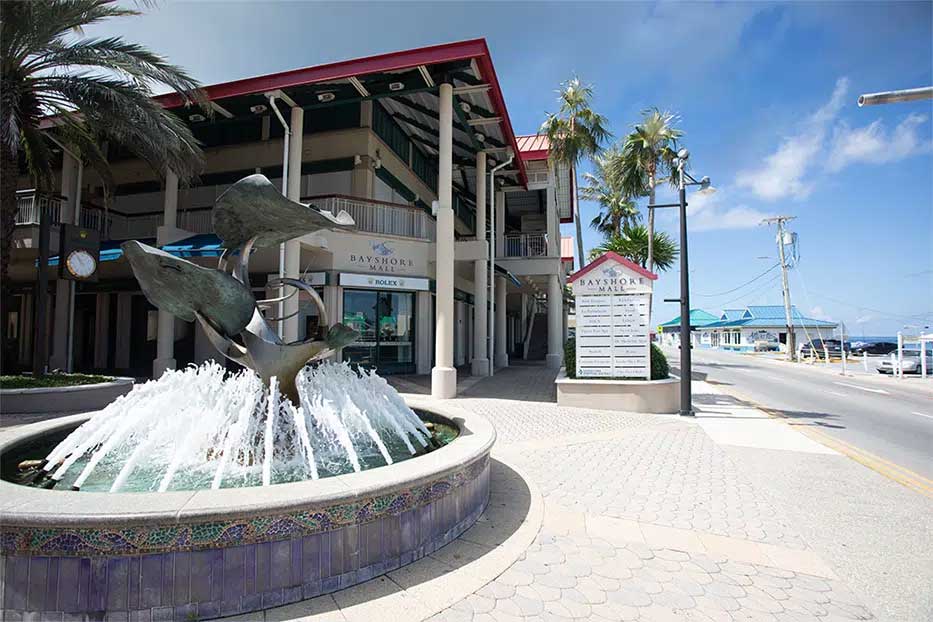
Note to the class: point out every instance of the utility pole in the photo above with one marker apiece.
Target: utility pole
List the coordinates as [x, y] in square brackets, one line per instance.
[791, 341]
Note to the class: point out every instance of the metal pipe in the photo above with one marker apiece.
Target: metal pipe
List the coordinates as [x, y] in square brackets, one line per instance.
[491, 315]
[287, 135]
[893, 97]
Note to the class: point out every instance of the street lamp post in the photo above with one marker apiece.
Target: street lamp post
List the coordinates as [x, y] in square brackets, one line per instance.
[686, 389]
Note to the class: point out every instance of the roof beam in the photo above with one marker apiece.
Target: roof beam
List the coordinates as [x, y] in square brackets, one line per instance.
[358, 86]
[428, 80]
[221, 110]
[280, 94]
[430, 130]
[458, 109]
[472, 89]
[484, 121]
[462, 125]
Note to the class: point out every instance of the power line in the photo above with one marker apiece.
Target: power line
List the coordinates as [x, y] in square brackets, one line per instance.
[895, 316]
[742, 285]
[754, 292]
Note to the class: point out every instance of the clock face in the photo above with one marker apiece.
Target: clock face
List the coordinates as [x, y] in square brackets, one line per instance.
[81, 264]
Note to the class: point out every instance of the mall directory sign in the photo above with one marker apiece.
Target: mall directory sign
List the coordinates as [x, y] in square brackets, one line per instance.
[612, 305]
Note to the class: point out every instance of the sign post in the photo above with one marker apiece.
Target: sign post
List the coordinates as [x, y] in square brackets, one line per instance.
[612, 300]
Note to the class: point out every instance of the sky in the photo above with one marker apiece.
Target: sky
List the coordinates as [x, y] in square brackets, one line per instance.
[765, 93]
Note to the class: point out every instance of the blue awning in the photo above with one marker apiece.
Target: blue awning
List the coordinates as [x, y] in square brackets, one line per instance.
[201, 245]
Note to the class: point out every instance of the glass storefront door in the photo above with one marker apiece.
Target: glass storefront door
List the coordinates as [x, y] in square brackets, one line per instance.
[386, 322]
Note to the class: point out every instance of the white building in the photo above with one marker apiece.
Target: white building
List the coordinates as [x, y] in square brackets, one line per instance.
[383, 138]
[761, 326]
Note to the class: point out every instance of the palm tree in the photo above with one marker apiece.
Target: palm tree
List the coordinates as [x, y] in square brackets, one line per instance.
[575, 132]
[605, 188]
[84, 92]
[649, 152]
[632, 243]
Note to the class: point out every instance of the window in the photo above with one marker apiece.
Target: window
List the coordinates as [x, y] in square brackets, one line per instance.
[389, 131]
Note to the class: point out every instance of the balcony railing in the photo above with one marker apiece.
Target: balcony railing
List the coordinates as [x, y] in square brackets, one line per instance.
[31, 205]
[371, 216]
[380, 217]
[526, 245]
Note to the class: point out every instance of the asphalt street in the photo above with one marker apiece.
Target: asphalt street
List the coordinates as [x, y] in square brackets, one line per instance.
[892, 419]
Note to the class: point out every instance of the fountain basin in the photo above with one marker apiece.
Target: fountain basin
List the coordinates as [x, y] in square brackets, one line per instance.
[207, 553]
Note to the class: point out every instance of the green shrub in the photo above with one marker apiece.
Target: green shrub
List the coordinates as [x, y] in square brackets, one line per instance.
[50, 380]
[659, 367]
[570, 357]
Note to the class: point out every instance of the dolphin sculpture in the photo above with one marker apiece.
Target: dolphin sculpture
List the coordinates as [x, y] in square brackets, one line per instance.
[249, 214]
[253, 209]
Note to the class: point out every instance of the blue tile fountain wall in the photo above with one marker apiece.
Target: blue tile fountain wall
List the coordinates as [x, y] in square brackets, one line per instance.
[207, 570]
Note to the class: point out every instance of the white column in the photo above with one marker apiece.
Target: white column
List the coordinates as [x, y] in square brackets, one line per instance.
[58, 357]
[553, 222]
[165, 338]
[500, 224]
[444, 375]
[124, 327]
[293, 247]
[459, 333]
[555, 313]
[502, 338]
[333, 302]
[102, 331]
[480, 273]
[523, 318]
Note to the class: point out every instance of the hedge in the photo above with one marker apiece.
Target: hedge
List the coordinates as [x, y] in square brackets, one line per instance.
[659, 367]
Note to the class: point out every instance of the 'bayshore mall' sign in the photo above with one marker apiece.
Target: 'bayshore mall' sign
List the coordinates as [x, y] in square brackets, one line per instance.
[612, 300]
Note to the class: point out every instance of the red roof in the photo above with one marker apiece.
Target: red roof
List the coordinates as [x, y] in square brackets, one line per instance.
[631, 265]
[475, 49]
[533, 147]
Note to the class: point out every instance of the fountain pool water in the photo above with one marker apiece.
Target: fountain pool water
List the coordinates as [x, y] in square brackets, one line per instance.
[200, 428]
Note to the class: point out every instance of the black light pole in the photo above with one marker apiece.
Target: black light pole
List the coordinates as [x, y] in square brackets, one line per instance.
[686, 371]
[686, 389]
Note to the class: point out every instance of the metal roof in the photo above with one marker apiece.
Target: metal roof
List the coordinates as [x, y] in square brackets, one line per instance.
[761, 316]
[566, 248]
[698, 317]
[406, 83]
[533, 146]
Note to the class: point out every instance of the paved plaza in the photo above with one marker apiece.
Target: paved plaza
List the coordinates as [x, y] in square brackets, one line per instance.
[597, 515]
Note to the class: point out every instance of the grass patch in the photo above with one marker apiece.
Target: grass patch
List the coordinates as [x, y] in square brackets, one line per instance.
[51, 380]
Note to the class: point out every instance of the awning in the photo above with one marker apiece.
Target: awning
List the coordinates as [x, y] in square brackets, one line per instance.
[201, 245]
[502, 271]
[109, 251]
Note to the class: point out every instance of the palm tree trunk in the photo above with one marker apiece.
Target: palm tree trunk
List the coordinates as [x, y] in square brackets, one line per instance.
[9, 167]
[576, 219]
[651, 224]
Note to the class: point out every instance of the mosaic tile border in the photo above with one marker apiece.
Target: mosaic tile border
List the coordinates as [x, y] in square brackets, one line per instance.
[69, 541]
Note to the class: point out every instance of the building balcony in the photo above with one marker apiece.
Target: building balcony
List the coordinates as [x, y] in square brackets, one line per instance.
[526, 245]
[380, 217]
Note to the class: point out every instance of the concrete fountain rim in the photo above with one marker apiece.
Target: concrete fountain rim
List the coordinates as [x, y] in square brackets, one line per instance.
[22, 506]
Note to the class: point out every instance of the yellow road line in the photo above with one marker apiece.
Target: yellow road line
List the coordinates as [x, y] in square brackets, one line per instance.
[892, 471]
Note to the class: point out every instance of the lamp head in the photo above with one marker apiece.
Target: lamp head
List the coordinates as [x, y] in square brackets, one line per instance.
[683, 154]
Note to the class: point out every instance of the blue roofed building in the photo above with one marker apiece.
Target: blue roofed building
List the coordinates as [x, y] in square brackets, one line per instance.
[669, 332]
[761, 327]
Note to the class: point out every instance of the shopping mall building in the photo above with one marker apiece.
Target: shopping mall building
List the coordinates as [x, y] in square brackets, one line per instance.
[416, 145]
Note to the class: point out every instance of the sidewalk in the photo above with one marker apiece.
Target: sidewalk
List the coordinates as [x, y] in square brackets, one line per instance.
[623, 516]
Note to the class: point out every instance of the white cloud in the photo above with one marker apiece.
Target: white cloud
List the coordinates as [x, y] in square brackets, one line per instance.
[864, 319]
[784, 172]
[874, 144]
[817, 313]
[709, 212]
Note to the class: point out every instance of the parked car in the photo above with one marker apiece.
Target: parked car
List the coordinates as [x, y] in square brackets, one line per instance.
[818, 348]
[910, 363]
[880, 348]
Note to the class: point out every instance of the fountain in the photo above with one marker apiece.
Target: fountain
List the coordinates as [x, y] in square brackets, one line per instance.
[206, 493]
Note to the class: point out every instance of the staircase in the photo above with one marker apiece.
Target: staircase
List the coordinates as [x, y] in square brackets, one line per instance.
[537, 348]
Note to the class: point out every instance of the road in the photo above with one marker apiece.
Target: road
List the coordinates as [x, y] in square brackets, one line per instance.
[890, 421]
